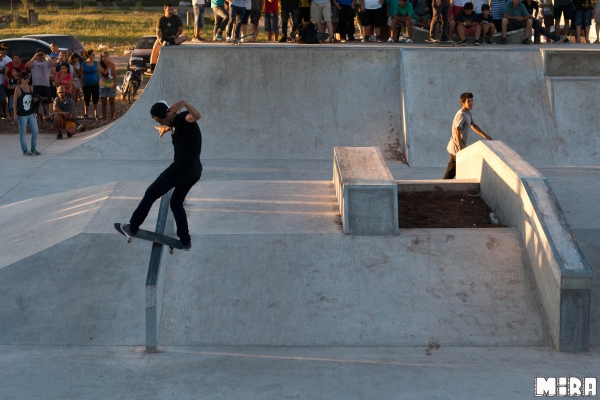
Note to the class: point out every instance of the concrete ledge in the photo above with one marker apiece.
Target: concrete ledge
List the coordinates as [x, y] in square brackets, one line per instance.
[571, 63]
[512, 37]
[446, 186]
[524, 199]
[366, 192]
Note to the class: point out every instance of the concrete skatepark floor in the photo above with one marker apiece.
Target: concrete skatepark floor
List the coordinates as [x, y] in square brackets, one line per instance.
[430, 210]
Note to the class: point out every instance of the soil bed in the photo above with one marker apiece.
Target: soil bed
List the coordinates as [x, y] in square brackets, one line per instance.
[433, 210]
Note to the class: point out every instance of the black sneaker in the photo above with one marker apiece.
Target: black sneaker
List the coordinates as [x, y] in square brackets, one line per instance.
[186, 245]
[126, 228]
[503, 41]
[59, 136]
[526, 41]
[476, 43]
[69, 135]
[490, 41]
[34, 152]
[462, 43]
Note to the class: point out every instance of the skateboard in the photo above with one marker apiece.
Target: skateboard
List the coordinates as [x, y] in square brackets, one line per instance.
[153, 237]
[449, 43]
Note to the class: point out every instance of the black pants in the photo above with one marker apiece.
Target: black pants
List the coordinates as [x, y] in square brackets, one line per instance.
[285, 16]
[91, 92]
[451, 168]
[304, 15]
[346, 24]
[539, 29]
[221, 20]
[440, 15]
[172, 177]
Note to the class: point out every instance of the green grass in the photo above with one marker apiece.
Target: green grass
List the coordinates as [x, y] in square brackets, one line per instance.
[94, 26]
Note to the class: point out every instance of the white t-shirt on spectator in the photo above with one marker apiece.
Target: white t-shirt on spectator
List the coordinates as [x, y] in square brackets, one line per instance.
[459, 3]
[3, 63]
[248, 4]
[197, 2]
[372, 4]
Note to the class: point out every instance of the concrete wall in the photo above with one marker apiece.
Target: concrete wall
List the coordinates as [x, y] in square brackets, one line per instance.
[523, 199]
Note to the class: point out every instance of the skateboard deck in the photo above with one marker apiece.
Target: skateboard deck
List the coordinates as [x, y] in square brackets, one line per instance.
[153, 237]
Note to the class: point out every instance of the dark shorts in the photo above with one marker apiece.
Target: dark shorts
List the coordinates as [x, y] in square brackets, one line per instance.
[372, 17]
[583, 18]
[253, 15]
[44, 93]
[169, 39]
[566, 10]
[514, 25]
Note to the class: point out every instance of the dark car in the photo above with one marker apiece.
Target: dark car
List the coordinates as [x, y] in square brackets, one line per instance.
[141, 52]
[65, 42]
[25, 46]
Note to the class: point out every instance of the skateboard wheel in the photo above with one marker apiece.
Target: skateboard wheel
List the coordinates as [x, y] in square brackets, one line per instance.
[128, 240]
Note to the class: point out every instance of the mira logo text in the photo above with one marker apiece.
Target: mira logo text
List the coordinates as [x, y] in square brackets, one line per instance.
[564, 386]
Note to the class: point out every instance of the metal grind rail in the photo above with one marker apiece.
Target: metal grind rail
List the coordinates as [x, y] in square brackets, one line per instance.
[155, 285]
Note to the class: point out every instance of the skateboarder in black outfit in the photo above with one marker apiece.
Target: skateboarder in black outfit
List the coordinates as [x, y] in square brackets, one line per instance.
[182, 174]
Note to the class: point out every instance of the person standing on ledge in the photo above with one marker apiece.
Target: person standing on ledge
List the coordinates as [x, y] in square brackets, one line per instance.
[182, 174]
[461, 126]
[169, 32]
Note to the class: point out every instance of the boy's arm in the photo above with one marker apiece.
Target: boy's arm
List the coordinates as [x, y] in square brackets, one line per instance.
[480, 132]
[193, 114]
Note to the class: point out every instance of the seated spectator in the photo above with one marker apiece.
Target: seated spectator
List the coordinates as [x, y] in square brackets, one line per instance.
[405, 16]
[497, 11]
[468, 25]
[64, 79]
[533, 10]
[272, 19]
[64, 114]
[40, 65]
[487, 25]
[372, 14]
[516, 17]
[4, 60]
[423, 10]
[583, 17]
[169, 32]
[13, 82]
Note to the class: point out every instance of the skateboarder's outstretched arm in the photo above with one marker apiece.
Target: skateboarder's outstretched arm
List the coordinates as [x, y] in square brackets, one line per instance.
[193, 114]
[480, 132]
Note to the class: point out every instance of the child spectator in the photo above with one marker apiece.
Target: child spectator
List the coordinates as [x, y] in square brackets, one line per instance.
[583, 17]
[468, 24]
[271, 19]
[221, 19]
[405, 15]
[64, 79]
[75, 61]
[487, 25]
[13, 82]
[14, 64]
[372, 14]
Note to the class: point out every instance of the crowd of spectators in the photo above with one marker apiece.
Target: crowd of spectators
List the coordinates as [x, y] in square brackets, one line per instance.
[378, 20]
[46, 89]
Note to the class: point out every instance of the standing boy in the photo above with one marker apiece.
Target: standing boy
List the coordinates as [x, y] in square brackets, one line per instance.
[463, 121]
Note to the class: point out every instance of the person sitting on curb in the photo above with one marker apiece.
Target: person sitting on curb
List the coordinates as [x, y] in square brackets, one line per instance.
[463, 121]
[468, 25]
[405, 15]
[64, 113]
[487, 24]
[169, 32]
[516, 17]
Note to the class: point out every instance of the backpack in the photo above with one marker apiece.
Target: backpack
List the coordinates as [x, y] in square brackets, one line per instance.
[307, 33]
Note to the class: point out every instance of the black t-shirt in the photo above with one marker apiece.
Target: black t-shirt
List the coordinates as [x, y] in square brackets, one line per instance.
[486, 20]
[168, 26]
[530, 7]
[187, 141]
[463, 17]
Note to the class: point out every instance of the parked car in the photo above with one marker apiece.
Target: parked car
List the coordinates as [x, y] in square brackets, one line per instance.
[25, 46]
[140, 54]
[65, 42]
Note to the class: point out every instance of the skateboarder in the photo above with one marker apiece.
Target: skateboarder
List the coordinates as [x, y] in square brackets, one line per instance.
[463, 121]
[182, 174]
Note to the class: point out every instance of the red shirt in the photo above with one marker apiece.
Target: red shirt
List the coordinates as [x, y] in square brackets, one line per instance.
[8, 71]
[271, 7]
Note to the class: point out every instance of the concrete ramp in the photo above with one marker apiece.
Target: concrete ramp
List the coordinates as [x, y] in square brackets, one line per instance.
[460, 287]
[260, 102]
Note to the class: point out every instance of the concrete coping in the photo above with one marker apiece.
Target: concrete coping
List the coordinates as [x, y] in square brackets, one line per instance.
[366, 191]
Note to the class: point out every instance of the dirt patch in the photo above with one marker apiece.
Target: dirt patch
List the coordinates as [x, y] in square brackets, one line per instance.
[437, 210]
